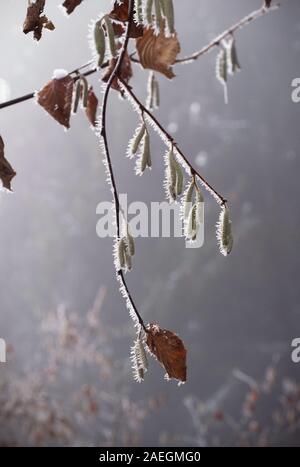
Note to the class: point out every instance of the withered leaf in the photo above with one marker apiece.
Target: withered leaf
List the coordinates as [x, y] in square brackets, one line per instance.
[35, 21]
[169, 351]
[7, 173]
[91, 108]
[70, 5]
[56, 99]
[136, 31]
[158, 52]
[125, 72]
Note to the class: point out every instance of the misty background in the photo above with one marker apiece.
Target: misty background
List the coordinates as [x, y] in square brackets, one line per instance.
[235, 312]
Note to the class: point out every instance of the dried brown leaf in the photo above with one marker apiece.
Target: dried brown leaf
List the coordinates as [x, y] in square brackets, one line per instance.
[169, 351]
[70, 5]
[35, 21]
[7, 173]
[158, 52]
[56, 99]
[91, 108]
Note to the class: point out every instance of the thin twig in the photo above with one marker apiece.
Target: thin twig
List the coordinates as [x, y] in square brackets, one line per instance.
[237, 26]
[31, 95]
[214, 43]
[143, 111]
[103, 133]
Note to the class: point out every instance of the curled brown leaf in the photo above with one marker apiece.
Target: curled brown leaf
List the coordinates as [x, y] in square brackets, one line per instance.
[7, 173]
[158, 52]
[56, 99]
[169, 351]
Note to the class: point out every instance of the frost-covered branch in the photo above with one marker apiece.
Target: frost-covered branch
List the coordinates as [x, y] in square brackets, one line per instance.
[184, 60]
[229, 32]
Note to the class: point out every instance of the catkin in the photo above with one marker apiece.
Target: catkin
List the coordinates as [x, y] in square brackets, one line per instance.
[179, 179]
[200, 206]
[233, 61]
[221, 71]
[168, 9]
[150, 88]
[77, 96]
[141, 354]
[153, 97]
[187, 202]
[172, 169]
[110, 35]
[139, 360]
[121, 253]
[224, 232]
[222, 66]
[145, 156]
[156, 94]
[148, 11]
[137, 138]
[130, 242]
[192, 226]
[128, 260]
[158, 15]
[85, 91]
[138, 11]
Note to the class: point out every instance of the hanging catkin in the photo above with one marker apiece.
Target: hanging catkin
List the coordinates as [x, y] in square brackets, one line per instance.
[111, 35]
[99, 41]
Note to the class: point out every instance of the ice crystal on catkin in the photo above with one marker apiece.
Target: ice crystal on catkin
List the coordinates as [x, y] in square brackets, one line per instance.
[224, 232]
[222, 72]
